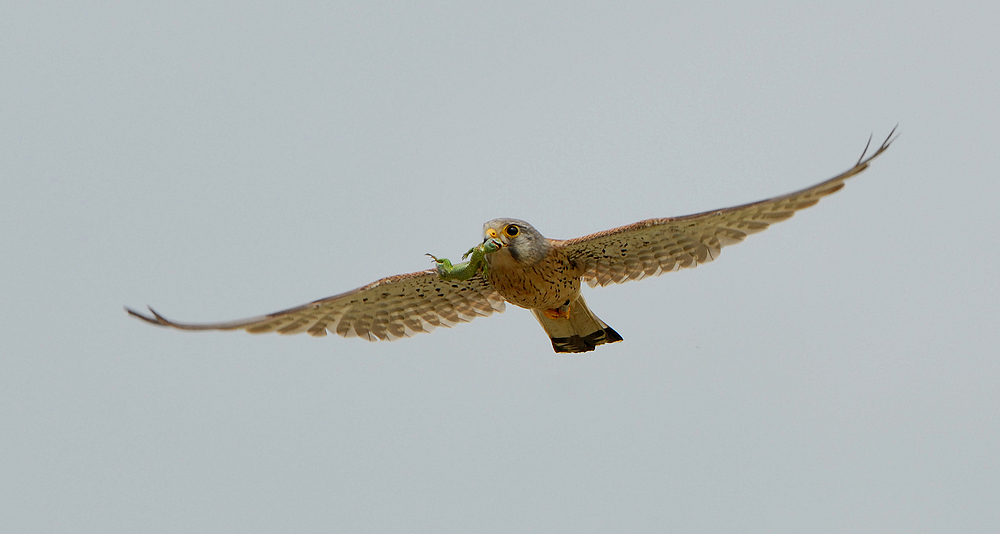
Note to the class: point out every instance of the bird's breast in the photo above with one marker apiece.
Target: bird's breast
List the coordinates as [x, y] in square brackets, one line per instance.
[545, 285]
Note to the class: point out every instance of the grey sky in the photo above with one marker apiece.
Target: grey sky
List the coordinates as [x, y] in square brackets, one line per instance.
[837, 373]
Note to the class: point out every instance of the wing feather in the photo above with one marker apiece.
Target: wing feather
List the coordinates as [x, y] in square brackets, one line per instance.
[656, 246]
[388, 309]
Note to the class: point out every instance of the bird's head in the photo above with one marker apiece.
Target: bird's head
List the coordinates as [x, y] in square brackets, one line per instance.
[518, 238]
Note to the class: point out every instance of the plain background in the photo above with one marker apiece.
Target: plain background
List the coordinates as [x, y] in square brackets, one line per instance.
[837, 373]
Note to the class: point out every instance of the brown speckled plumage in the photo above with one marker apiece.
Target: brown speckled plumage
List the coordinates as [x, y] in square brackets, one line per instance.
[391, 308]
[543, 285]
[537, 273]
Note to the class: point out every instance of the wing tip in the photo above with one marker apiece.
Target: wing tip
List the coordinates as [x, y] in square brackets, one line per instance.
[156, 318]
[889, 139]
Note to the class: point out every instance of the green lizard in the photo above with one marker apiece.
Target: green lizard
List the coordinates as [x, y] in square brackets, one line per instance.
[466, 270]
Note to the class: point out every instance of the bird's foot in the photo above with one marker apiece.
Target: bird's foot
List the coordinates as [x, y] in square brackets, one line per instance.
[561, 312]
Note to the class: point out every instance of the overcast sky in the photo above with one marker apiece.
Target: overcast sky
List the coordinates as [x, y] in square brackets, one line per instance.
[837, 373]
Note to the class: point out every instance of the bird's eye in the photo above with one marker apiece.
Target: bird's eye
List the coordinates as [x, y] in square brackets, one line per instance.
[511, 230]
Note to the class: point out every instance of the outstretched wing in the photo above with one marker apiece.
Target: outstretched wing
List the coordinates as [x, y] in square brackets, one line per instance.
[656, 246]
[389, 309]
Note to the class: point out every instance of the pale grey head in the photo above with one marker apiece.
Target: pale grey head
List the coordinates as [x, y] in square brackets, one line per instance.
[525, 244]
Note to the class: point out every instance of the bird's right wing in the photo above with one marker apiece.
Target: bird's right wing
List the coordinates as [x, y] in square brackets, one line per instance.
[391, 308]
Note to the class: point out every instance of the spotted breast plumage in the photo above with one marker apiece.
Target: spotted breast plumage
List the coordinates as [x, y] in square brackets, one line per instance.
[531, 271]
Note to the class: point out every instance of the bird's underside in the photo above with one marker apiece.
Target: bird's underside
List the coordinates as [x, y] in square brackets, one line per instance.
[403, 305]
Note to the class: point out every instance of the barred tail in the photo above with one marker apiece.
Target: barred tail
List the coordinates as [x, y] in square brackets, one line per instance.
[581, 332]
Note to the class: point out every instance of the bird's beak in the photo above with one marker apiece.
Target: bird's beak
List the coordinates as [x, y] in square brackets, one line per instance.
[493, 236]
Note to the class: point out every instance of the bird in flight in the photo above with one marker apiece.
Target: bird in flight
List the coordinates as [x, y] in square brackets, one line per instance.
[517, 264]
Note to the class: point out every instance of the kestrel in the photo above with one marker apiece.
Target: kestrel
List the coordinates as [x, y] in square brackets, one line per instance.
[516, 264]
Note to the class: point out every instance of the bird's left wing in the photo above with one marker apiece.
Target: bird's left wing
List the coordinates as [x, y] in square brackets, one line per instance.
[388, 309]
[656, 246]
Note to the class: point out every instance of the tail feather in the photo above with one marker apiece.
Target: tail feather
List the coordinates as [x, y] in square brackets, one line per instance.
[581, 332]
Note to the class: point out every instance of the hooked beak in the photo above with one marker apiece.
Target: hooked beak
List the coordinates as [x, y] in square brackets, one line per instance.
[492, 235]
